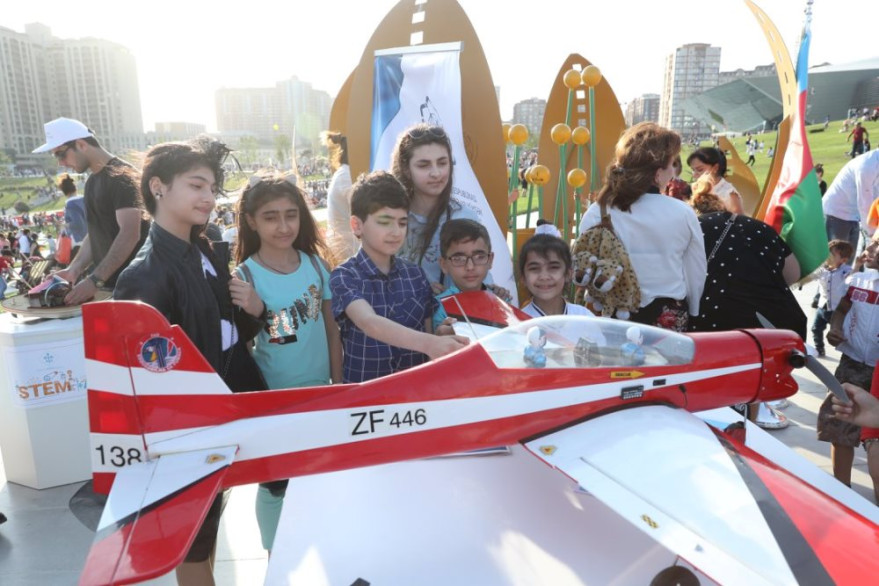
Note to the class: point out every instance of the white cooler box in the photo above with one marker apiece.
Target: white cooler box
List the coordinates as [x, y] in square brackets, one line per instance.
[44, 429]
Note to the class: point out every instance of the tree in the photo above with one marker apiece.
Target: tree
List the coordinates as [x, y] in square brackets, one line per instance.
[282, 149]
[21, 207]
[248, 147]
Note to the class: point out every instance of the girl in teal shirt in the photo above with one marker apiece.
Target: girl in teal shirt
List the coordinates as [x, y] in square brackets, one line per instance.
[279, 253]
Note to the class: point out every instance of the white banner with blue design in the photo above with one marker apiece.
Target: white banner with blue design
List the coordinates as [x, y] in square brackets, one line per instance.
[423, 84]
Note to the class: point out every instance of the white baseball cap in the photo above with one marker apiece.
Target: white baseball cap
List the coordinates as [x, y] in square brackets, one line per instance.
[62, 130]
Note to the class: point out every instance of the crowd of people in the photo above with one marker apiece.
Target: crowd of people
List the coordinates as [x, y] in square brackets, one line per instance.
[272, 301]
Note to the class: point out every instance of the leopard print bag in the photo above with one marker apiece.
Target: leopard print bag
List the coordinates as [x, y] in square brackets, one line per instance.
[603, 271]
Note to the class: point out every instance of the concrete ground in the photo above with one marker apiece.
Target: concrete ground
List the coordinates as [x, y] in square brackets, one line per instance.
[44, 544]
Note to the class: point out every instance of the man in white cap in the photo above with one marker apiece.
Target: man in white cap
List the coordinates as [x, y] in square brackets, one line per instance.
[117, 225]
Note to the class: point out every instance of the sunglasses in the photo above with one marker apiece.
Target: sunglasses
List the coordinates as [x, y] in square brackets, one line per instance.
[62, 153]
[417, 132]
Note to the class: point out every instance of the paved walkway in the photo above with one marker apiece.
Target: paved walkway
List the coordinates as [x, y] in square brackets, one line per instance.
[42, 543]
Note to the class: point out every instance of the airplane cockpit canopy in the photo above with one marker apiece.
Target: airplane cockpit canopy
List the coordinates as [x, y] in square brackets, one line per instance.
[566, 341]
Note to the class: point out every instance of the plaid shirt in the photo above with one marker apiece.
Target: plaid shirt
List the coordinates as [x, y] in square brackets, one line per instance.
[403, 295]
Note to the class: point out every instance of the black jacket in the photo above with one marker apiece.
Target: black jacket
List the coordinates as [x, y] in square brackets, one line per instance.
[167, 274]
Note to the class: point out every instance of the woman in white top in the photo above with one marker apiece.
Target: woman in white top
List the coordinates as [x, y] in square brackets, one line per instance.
[712, 161]
[340, 239]
[661, 234]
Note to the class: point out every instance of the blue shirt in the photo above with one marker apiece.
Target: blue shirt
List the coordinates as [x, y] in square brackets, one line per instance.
[403, 296]
[74, 216]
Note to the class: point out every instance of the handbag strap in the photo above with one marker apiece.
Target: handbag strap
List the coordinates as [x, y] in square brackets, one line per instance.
[729, 224]
[244, 270]
[320, 274]
[605, 216]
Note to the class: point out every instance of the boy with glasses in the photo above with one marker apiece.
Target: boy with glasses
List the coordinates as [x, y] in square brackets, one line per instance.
[465, 258]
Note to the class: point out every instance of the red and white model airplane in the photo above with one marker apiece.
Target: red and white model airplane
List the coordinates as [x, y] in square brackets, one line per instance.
[167, 434]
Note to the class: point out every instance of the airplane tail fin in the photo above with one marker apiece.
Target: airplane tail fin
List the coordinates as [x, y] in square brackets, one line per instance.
[142, 376]
[153, 514]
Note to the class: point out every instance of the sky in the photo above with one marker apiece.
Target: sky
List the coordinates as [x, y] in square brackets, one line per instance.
[186, 50]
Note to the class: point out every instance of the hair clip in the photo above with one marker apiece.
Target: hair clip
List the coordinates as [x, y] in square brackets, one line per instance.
[259, 176]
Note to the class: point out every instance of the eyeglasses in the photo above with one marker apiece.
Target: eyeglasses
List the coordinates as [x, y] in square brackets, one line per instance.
[62, 153]
[417, 132]
[460, 260]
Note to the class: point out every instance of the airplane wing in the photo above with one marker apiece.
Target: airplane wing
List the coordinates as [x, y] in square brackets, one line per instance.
[153, 514]
[713, 501]
[779, 454]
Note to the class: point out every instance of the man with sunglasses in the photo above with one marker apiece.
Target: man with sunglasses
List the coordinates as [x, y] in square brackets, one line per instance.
[117, 225]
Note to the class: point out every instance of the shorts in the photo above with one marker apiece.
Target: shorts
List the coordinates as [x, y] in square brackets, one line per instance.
[206, 539]
[869, 434]
[831, 429]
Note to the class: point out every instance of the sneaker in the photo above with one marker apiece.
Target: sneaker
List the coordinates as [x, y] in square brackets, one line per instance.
[769, 419]
[821, 353]
[780, 404]
[814, 304]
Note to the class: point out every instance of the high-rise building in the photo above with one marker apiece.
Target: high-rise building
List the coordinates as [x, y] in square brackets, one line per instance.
[690, 70]
[305, 111]
[644, 108]
[247, 111]
[530, 113]
[290, 108]
[174, 131]
[759, 71]
[43, 77]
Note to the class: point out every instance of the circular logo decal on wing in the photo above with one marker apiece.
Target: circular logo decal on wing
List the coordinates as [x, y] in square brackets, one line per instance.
[158, 354]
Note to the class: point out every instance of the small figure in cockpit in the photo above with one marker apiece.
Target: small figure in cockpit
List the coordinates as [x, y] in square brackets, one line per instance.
[632, 352]
[534, 355]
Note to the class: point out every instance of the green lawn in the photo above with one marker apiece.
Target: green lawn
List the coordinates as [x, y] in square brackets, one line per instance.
[15, 189]
[828, 147]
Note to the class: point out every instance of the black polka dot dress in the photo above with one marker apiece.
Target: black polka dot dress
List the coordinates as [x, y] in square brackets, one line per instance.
[745, 277]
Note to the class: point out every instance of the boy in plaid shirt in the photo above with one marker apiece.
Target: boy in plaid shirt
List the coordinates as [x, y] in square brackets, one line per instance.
[383, 304]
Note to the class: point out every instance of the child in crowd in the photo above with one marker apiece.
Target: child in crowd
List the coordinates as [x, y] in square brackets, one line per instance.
[299, 345]
[384, 305]
[854, 328]
[7, 262]
[465, 258]
[832, 285]
[822, 185]
[546, 268]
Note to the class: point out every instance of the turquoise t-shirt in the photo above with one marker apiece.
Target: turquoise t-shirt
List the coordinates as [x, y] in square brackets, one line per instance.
[291, 349]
